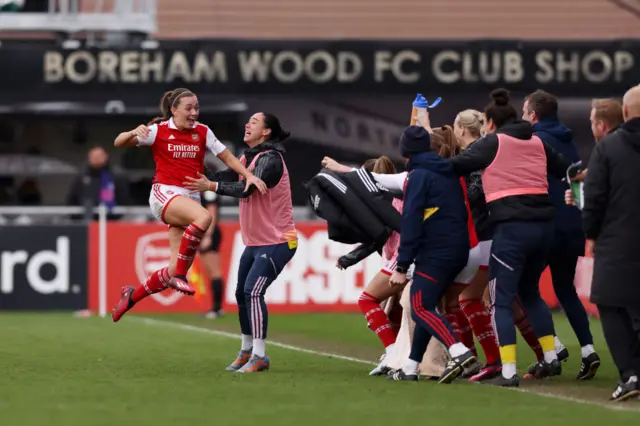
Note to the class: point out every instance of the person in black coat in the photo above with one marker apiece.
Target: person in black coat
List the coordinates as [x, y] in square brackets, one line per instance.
[541, 110]
[99, 184]
[611, 222]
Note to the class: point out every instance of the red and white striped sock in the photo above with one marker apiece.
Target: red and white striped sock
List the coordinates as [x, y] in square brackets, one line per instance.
[480, 321]
[466, 332]
[188, 246]
[376, 318]
[452, 315]
[154, 284]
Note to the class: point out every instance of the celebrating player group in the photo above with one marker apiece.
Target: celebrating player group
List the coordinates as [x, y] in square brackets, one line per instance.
[472, 231]
[477, 223]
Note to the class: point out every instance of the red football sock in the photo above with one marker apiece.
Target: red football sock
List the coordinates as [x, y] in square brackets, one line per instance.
[376, 318]
[451, 314]
[465, 330]
[480, 320]
[530, 336]
[155, 284]
[188, 246]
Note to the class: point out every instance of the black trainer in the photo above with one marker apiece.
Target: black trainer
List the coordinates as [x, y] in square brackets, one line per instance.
[501, 381]
[563, 355]
[470, 371]
[544, 369]
[399, 374]
[456, 366]
[555, 369]
[625, 391]
[589, 367]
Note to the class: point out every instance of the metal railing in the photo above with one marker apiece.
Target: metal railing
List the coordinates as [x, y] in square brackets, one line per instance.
[27, 215]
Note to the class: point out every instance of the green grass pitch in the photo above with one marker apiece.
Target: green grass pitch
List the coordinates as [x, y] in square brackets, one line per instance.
[56, 369]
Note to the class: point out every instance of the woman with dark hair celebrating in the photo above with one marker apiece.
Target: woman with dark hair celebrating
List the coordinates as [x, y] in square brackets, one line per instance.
[178, 143]
[516, 164]
[268, 231]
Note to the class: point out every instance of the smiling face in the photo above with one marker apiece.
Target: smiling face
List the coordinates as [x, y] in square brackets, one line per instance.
[186, 112]
[255, 131]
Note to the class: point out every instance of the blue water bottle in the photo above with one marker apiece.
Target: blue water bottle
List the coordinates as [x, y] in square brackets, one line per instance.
[419, 110]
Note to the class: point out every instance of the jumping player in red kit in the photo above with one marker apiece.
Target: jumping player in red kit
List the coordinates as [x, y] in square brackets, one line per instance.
[178, 144]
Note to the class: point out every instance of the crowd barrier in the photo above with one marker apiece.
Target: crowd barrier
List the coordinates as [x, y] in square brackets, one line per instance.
[80, 267]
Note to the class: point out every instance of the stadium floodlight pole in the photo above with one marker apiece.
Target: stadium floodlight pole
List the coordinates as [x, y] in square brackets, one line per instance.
[102, 259]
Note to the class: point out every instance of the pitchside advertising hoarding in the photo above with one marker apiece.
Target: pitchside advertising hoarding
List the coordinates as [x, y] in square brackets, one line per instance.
[53, 267]
[567, 68]
[309, 283]
[43, 267]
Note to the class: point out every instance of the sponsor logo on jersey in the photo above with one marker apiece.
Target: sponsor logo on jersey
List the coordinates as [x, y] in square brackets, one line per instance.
[183, 151]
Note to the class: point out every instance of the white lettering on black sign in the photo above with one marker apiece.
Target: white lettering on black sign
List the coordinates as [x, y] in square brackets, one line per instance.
[450, 66]
[595, 67]
[82, 67]
[289, 67]
[483, 67]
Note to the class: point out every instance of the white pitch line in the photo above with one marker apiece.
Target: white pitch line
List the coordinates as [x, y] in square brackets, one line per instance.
[238, 337]
[149, 321]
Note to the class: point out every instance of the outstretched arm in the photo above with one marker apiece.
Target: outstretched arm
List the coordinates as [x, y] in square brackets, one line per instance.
[220, 150]
[226, 175]
[269, 168]
[557, 164]
[359, 253]
[140, 136]
[233, 163]
[477, 156]
[394, 183]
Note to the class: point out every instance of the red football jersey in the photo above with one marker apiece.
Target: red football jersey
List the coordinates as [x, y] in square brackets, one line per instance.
[179, 153]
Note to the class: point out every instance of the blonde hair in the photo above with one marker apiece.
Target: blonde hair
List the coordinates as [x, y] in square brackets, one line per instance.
[472, 120]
